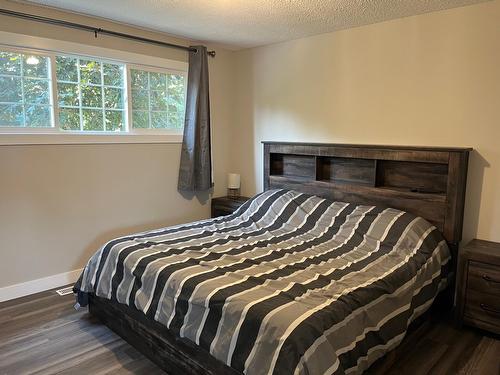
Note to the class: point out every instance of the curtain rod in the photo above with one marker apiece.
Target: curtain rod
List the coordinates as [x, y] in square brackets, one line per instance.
[96, 30]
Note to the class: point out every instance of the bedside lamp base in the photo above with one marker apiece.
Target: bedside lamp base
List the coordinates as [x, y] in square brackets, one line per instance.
[233, 193]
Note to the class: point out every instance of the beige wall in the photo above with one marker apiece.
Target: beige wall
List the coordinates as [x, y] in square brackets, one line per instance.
[58, 204]
[432, 79]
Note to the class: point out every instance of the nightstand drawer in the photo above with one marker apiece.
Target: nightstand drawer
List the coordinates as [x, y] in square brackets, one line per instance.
[483, 277]
[482, 308]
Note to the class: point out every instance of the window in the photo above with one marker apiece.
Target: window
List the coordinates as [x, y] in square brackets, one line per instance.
[157, 100]
[90, 94]
[25, 90]
[71, 94]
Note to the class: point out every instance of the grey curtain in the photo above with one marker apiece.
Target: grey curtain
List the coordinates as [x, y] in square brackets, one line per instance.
[195, 172]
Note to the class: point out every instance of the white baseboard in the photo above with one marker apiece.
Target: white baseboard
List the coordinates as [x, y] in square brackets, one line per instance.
[38, 285]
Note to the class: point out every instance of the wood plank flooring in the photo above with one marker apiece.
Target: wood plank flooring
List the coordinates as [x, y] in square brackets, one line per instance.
[43, 334]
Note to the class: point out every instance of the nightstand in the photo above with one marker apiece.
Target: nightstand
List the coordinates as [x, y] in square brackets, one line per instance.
[226, 205]
[478, 285]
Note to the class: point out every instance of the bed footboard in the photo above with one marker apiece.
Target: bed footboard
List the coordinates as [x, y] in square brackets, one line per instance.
[170, 353]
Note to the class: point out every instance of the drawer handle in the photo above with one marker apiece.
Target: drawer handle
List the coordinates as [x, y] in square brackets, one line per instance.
[490, 280]
[489, 309]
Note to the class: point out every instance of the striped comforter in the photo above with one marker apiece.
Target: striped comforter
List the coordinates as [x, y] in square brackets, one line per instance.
[288, 284]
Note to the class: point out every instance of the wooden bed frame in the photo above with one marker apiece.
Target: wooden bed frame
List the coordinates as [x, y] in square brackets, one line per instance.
[426, 181]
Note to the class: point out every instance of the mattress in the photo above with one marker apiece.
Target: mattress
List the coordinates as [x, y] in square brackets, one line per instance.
[289, 284]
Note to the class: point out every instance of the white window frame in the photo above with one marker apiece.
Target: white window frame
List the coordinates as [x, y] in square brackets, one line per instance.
[25, 44]
[125, 95]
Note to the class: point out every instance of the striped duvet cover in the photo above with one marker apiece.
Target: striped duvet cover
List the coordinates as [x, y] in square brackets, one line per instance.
[288, 284]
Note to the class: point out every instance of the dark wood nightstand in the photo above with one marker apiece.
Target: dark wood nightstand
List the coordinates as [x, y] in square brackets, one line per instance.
[478, 285]
[226, 205]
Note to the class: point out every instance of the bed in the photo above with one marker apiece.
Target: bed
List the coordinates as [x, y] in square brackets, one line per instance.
[322, 272]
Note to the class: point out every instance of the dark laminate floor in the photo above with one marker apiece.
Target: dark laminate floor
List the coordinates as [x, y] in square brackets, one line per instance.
[43, 334]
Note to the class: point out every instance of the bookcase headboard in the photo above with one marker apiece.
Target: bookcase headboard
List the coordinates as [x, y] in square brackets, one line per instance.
[426, 181]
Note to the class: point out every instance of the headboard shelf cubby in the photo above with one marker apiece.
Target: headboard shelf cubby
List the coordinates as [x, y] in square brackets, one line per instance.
[417, 177]
[346, 170]
[293, 165]
[426, 181]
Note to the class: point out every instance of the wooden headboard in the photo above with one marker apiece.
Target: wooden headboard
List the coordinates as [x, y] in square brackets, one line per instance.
[425, 181]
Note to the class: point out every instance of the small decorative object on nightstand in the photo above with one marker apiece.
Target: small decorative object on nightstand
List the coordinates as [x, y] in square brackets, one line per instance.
[226, 205]
[233, 185]
[478, 285]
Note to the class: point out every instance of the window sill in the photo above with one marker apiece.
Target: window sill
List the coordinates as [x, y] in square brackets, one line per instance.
[79, 139]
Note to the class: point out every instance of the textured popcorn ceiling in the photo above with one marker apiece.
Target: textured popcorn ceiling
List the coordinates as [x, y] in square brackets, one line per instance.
[249, 23]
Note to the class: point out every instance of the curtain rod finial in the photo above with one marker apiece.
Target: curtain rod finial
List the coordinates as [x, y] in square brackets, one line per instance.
[211, 53]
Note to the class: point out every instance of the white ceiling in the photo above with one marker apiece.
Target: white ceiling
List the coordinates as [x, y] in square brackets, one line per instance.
[249, 23]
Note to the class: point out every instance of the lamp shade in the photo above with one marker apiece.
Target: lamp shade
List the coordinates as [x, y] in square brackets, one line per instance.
[233, 181]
